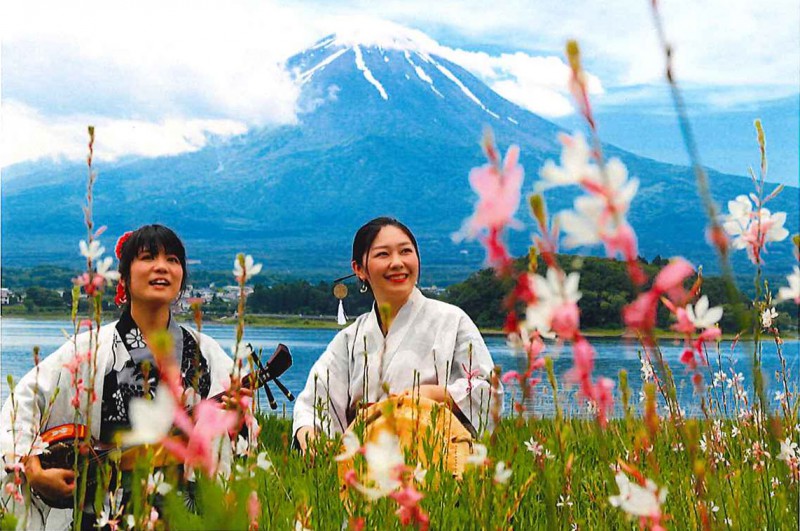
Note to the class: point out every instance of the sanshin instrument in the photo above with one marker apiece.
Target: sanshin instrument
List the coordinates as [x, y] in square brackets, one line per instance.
[62, 440]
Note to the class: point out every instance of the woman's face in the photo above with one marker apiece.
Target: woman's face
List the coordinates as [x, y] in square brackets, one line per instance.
[392, 266]
[155, 279]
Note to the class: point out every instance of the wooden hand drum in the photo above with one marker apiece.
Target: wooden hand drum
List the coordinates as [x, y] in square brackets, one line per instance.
[429, 433]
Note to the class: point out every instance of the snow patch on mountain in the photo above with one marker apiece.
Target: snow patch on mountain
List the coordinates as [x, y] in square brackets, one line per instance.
[361, 65]
[305, 77]
[421, 73]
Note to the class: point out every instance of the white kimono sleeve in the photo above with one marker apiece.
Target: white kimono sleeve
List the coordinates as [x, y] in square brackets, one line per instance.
[324, 401]
[469, 384]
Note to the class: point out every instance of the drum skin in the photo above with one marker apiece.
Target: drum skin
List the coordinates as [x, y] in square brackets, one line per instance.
[428, 431]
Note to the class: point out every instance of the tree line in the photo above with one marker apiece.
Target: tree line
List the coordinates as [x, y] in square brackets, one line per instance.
[604, 284]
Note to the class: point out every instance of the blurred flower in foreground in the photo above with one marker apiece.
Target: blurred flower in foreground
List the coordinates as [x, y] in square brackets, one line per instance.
[752, 229]
[637, 500]
[792, 292]
[244, 267]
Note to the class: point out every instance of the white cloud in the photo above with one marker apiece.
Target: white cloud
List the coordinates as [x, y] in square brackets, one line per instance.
[539, 84]
[716, 42]
[191, 68]
[27, 135]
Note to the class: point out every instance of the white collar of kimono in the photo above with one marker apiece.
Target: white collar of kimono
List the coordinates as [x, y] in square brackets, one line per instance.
[402, 323]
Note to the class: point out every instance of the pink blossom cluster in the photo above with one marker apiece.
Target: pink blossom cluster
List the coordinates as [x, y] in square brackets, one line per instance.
[498, 184]
[387, 475]
[599, 215]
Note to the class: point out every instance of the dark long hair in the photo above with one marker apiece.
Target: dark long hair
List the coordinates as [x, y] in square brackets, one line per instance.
[365, 236]
[153, 239]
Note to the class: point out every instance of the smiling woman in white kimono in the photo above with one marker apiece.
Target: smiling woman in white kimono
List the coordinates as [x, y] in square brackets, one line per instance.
[426, 345]
[153, 274]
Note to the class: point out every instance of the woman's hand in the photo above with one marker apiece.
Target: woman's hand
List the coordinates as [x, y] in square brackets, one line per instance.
[437, 393]
[53, 483]
[306, 437]
[229, 399]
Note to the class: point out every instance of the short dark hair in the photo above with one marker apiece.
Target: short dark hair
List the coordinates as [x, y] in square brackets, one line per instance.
[153, 239]
[365, 236]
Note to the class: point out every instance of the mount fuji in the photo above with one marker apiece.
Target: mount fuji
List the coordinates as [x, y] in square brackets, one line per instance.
[386, 126]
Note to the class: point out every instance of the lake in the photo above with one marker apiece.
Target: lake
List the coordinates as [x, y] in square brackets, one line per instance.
[18, 336]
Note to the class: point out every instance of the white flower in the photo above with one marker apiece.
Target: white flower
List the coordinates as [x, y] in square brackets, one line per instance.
[299, 526]
[793, 291]
[548, 454]
[420, 473]
[241, 447]
[262, 462]
[737, 221]
[103, 519]
[701, 315]
[552, 292]
[752, 230]
[767, 316]
[501, 473]
[582, 226]
[600, 216]
[130, 521]
[564, 501]
[92, 250]
[242, 351]
[735, 432]
[104, 270]
[156, 483]
[384, 462]
[351, 446]
[575, 164]
[647, 370]
[151, 420]
[479, 455]
[720, 378]
[534, 447]
[779, 396]
[637, 500]
[788, 450]
[250, 269]
[736, 380]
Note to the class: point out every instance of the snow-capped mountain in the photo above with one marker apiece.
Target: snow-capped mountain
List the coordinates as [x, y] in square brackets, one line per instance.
[387, 124]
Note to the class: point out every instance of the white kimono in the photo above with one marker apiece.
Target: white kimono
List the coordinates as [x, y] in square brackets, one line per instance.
[429, 342]
[32, 393]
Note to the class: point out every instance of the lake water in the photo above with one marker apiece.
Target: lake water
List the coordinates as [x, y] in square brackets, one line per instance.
[18, 336]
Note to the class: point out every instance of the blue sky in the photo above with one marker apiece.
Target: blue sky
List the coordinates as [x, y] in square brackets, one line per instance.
[159, 78]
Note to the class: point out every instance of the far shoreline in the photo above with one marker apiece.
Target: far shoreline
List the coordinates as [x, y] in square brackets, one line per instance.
[302, 322]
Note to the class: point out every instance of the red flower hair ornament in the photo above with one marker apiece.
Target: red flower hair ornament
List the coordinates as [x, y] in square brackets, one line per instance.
[121, 297]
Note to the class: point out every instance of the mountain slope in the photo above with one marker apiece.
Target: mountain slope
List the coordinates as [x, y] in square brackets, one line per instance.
[386, 127]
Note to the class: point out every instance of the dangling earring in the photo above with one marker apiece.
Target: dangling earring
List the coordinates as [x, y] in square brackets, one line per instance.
[364, 288]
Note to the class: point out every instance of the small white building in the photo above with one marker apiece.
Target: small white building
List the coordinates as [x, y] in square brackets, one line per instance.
[5, 296]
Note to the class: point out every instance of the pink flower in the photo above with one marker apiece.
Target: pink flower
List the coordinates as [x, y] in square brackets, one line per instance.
[604, 398]
[641, 313]
[510, 376]
[470, 375]
[565, 320]
[409, 511]
[253, 510]
[210, 422]
[670, 279]
[498, 192]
